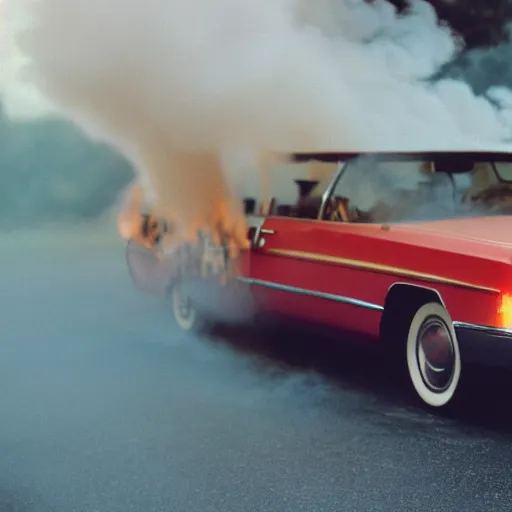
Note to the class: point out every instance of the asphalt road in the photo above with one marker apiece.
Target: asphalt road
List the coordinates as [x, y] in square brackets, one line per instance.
[105, 407]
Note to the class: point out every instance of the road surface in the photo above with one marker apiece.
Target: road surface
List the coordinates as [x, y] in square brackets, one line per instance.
[105, 407]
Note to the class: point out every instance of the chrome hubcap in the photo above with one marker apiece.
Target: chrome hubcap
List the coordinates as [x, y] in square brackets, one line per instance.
[435, 354]
[184, 305]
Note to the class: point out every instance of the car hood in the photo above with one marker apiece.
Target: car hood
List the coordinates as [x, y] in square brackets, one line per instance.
[491, 230]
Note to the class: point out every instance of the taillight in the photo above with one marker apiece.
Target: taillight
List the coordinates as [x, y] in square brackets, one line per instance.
[505, 311]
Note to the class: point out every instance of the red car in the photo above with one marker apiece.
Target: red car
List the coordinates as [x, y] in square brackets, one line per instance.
[412, 250]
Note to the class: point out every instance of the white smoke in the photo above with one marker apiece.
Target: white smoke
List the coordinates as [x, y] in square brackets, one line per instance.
[20, 98]
[277, 74]
[170, 78]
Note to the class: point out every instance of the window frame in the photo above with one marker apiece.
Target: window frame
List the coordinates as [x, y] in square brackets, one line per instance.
[342, 167]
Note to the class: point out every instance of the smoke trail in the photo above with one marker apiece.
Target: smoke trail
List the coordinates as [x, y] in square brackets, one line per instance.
[20, 98]
[174, 83]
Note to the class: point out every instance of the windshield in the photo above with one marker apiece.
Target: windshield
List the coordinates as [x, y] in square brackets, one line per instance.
[394, 190]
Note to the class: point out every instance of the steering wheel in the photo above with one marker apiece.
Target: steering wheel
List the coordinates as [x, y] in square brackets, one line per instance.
[490, 194]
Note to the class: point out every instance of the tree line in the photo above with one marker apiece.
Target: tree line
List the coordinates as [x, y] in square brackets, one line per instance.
[51, 172]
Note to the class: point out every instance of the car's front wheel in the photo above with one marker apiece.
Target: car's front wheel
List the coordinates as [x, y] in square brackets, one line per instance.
[185, 314]
[433, 355]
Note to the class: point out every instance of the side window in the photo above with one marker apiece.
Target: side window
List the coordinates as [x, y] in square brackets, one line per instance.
[353, 196]
[374, 191]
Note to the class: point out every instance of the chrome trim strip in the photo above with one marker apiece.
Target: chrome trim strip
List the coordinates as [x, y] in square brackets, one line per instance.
[311, 293]
[484, 328]
[361, 303]
[377, 267]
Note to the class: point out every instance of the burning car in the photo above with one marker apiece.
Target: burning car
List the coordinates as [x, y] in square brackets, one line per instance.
[409, 250]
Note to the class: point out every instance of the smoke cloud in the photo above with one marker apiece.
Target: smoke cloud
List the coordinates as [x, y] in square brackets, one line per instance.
[21, 99]
[175, 84]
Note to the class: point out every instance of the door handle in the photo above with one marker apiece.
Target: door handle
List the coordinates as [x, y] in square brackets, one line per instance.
[258, 242]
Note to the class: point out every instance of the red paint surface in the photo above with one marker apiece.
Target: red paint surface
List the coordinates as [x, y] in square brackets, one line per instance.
[476, 251]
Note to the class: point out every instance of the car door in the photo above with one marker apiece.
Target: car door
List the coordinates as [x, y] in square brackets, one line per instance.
[276, 279]
[296, 269]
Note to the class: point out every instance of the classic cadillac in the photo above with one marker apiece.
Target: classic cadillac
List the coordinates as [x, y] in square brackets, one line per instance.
[412, 250]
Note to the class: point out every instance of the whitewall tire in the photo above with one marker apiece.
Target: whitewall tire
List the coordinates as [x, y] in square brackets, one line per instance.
[184, 313]
[433, 355]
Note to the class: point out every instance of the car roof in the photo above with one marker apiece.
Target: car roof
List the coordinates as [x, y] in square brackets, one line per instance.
[499, 156]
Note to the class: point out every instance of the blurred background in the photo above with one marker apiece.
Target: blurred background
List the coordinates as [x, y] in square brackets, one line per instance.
[52, 174]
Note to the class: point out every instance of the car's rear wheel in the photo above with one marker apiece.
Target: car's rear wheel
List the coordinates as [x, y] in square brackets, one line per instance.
[185, 314]
[433, 355]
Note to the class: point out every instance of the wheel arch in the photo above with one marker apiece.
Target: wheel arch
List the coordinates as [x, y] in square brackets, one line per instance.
[403, 300]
